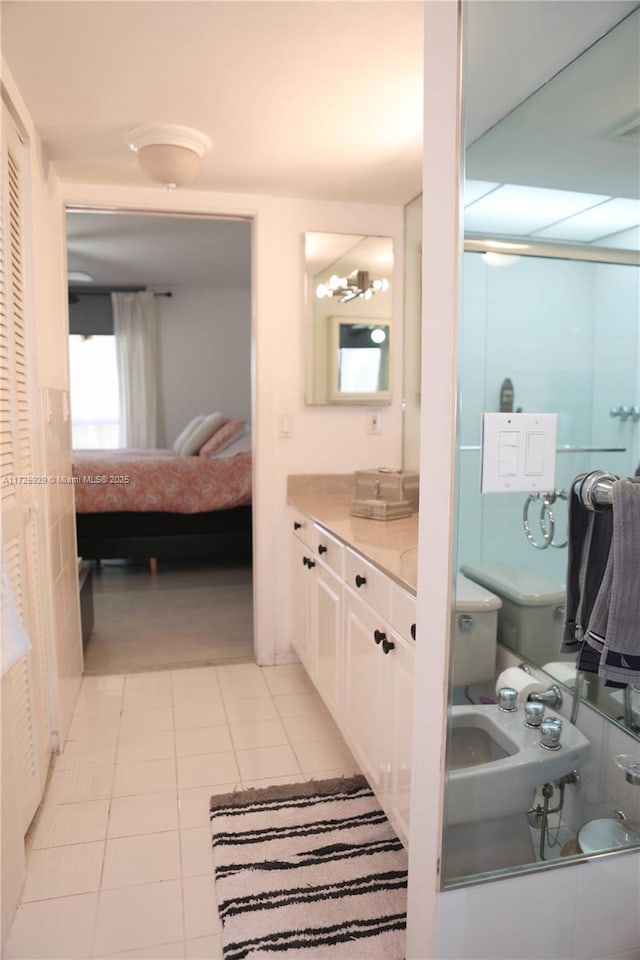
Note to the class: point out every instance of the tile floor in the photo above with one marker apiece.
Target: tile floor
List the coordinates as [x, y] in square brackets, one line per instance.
[120, 861]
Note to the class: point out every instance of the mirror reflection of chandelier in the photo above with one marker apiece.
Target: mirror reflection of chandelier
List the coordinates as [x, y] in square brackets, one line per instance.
[356, 284]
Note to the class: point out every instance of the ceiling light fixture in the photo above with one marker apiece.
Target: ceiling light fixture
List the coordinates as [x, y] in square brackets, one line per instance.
[356, 284]
[79, 276]
[169, 154]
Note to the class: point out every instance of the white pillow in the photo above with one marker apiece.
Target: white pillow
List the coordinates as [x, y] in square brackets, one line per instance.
[201, 434]
[182, 436]
[241, 444]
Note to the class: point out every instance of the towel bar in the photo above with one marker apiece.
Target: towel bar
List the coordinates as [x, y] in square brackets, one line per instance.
[594, 490]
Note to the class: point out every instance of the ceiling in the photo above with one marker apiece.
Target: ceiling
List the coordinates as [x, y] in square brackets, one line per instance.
[321, 100]
[159, 252]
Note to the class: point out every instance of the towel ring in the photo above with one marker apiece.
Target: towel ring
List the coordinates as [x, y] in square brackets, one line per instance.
[546, 513]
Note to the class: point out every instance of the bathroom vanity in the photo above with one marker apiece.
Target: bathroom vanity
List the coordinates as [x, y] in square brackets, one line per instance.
[354, 586]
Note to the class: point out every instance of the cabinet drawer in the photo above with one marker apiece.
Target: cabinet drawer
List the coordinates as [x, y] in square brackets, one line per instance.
[304, 529]
[403, 612]
[368, 582]
[329, 550]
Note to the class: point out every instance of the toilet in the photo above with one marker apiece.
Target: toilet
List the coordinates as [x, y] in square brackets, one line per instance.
[531, 617]
[475, 633]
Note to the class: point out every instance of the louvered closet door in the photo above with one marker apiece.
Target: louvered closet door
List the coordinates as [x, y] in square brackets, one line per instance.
[19, 500]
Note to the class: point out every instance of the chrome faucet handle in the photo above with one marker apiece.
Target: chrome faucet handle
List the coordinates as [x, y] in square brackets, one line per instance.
[550, 730]
[507, 699]
[533, 713]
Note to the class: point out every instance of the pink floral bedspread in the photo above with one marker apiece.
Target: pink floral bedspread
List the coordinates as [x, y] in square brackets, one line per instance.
[158, 480]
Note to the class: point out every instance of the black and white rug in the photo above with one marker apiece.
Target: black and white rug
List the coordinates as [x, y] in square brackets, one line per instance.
[308, 870]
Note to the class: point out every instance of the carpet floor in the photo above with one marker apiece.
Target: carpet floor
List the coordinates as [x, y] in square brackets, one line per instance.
[308, 870]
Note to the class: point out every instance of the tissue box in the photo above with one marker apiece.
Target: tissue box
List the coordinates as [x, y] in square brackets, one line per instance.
[386, 484]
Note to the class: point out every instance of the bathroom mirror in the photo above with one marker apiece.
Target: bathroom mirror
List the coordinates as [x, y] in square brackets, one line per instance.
[549, 323]
[349, 310]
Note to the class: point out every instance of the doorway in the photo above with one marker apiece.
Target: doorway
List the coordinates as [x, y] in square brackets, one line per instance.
[164, 530]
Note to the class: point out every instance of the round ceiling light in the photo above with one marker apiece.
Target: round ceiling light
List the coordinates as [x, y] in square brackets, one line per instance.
[168, 153]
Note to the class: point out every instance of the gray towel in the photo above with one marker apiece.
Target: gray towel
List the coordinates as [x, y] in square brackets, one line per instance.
[614, 625]
[589, 538]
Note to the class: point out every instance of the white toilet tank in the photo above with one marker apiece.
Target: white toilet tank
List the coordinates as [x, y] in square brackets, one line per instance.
[475, 633]
[532, 614]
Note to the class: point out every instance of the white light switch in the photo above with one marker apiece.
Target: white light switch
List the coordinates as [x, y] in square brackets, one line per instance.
[518, 452]
[534, 460]
[508, 453]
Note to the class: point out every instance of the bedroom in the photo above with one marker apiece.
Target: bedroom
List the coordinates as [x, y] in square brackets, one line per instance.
[147, 559]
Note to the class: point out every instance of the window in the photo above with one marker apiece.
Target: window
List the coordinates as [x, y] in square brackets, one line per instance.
[95, 401]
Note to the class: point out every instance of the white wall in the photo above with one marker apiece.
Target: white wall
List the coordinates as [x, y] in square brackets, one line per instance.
[204, 355]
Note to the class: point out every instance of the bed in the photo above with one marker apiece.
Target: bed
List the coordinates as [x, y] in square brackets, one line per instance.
[156, 504]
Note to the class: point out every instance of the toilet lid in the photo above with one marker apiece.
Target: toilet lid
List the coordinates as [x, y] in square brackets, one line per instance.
[604, 834]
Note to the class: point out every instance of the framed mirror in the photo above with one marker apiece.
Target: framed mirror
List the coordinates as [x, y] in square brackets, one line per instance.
[349, 318]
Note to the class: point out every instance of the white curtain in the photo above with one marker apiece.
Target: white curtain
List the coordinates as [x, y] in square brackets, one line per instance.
[135, 329]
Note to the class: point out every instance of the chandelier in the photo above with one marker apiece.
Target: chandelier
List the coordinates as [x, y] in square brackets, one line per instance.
[356, 284]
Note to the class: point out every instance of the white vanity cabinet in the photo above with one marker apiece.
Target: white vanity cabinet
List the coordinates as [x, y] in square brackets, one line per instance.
[354, 629]
[303, 597]
[317, 579]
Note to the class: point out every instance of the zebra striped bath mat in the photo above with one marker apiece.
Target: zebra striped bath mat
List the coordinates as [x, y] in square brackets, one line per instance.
[308, 870]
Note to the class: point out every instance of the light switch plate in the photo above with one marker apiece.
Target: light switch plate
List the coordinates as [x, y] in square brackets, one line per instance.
[518, 452]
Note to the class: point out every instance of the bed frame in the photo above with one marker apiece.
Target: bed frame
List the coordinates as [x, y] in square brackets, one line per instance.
[220, 536]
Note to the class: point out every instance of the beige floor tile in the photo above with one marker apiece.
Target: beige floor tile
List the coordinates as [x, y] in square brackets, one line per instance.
[197, 858]
[299, 704]
[109, 685]
[191, 743]
[194, 803]
[198, 685]
[53, 929]
[242, 681]
[274, 781]
[142, 720]
[140, 916]
[208, 768]
[98, 752]
[313, 727]
[63, 871]
[69, 823]
[133, 747]
[141, 859]
[149, 776]
[88, 726]
[76, 786]
[145, 813]
[204, 948]
[99, 704]
[263, 762]
[258, 733]
[287, 679]
[200, 909]
[165, 951]
[252, 710]
[188, 717]
[145, 690]
[320, 755]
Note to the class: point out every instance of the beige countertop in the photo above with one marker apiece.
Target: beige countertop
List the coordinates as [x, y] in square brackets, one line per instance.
[390, 545]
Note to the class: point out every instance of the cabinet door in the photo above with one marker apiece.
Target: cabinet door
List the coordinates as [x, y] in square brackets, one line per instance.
[302, 577]
[366, 685]
[399, 786]
[328, 639]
